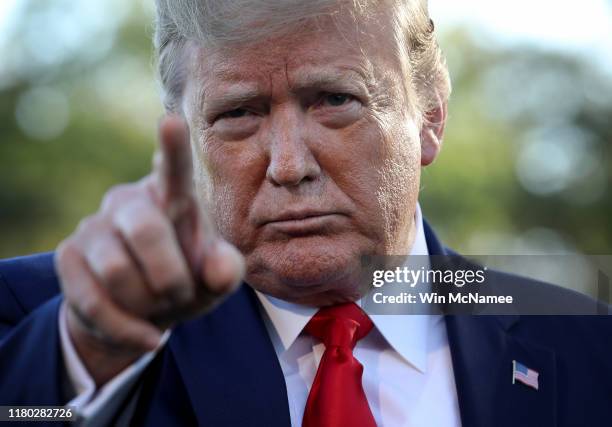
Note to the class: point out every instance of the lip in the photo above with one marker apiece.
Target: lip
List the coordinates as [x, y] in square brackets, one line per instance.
[303, 222]
[297, 215]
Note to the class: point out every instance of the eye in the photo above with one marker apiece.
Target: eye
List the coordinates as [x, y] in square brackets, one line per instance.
[234, 114]
[336, 99]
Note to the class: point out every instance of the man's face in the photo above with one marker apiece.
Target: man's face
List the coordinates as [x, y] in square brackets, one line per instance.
[308, 153]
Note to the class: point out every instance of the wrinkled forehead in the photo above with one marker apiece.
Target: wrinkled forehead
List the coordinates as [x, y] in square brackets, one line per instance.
[294, 58]
[327, 49]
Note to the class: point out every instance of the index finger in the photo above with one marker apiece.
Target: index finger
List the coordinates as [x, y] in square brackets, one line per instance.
[175, 188]
[174, 165]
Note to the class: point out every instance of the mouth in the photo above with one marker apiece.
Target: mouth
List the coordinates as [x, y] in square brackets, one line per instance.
[304, 223]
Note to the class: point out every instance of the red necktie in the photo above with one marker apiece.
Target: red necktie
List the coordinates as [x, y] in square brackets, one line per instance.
[337, 398]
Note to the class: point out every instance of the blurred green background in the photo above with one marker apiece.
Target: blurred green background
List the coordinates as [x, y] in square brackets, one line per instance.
[525, 166]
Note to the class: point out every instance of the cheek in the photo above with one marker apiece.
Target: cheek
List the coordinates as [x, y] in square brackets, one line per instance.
[399, 181]
[352, 158]
[377, 166]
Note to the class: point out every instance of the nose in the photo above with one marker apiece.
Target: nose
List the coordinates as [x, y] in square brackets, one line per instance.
[291, 159]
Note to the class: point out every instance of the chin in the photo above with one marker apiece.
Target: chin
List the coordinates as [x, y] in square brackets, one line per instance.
[307, 269]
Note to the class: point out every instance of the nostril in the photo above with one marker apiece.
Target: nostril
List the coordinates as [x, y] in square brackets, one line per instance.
[291, 162]
[289, 172]
[286, 179]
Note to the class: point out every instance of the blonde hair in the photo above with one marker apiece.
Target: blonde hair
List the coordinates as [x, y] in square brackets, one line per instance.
[218, 22]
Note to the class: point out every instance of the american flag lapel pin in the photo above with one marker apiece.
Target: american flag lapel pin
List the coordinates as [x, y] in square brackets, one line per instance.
[523, 374]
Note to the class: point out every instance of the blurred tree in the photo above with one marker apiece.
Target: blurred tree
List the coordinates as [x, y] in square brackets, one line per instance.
[527, 156]
[525, 165]
[75, 118]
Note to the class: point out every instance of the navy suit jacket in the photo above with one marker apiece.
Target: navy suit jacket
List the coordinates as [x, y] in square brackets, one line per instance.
[221, 368]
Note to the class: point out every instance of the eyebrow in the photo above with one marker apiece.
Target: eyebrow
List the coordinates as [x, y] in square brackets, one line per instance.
[232, 95]
[333, 79]
[238, 91]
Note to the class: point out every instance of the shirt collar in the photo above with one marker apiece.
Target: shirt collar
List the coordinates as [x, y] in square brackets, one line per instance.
[406, 334]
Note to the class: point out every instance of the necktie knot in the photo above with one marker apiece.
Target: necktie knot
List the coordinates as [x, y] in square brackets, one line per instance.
[340, 325]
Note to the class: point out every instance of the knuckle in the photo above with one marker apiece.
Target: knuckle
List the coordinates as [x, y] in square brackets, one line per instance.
[117, 194]
[67, 249]
[147, 231]
[114, 269]
[175, 286]
[89, 224]
[172, 284]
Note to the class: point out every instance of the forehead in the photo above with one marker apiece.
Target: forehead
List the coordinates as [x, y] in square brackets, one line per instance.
[328, 49]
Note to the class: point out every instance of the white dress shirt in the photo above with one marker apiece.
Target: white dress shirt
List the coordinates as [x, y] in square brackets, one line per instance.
[408, 376]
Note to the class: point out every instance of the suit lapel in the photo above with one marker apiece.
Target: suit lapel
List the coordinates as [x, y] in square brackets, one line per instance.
[230, 368]
[482, 350]
[482, 353]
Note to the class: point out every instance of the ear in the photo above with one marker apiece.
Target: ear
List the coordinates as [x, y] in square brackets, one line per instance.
[432, 131]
